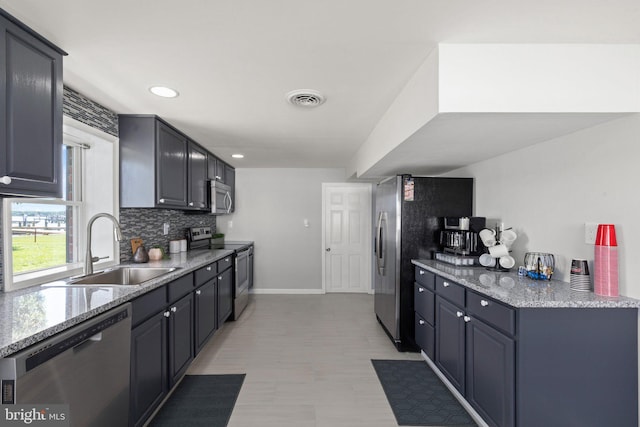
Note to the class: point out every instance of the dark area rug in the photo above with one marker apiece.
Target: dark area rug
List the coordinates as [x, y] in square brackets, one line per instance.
[417, 396]
[200, 400]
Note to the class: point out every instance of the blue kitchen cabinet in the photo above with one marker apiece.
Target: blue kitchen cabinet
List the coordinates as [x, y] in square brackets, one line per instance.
[531, 366]
[149, 382]
[225, 295]
[162, 346]
[197, 186]
[30, 112]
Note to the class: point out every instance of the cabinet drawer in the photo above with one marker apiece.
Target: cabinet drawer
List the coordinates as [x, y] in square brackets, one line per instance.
[204, 274]
[492, 312]
[426, 278]
[147, 305]
[424, 301]
[425, 336]
[225, 263]
[450, 290]
[180, 287]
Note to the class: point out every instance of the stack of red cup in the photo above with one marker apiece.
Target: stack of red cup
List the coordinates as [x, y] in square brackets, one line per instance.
[605, 263]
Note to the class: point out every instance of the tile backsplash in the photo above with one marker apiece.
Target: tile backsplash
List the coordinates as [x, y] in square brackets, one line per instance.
[148, 225]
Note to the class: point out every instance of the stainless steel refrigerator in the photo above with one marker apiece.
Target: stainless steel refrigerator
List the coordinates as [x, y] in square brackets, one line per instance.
[409, 217]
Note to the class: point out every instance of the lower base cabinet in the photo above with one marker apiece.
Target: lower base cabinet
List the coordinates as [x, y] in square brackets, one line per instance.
[532, 367]
[450, 342]
[161, 345]
[170, 325]
[225, 295]
[206, 313]
[180, 330]
[149, 368]
[490, 373]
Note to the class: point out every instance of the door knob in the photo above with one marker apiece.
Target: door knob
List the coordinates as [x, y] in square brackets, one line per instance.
[328, 250]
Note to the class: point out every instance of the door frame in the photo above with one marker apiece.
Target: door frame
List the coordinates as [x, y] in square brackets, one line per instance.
[369, 237]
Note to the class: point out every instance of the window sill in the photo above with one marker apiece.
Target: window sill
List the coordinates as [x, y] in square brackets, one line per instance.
[41, 277]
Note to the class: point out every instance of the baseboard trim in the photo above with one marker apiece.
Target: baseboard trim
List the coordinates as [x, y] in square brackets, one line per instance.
[287, 292]
[476, 417]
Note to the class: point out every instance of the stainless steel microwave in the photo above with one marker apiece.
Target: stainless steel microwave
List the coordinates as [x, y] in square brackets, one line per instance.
[221, 199]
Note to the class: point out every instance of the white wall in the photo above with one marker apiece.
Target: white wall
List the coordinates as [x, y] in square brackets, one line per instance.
[414, 106]
[272, 205]
[549, 78]
[548, 191]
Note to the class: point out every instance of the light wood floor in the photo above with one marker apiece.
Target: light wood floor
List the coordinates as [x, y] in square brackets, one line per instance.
[307, 360]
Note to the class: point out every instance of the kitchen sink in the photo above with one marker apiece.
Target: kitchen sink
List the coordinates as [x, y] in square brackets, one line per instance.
[123, 276]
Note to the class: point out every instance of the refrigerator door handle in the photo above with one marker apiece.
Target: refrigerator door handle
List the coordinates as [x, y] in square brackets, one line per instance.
[381, 247]
[376, 250]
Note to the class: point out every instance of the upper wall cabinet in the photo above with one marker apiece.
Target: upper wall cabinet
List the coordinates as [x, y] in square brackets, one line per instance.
[30, 112]
[230, 180]
[153, 163]
[215, 169]
[160, 167]
[197, 197]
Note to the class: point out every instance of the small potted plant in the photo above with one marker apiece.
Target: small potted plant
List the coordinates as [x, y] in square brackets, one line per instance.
[156, 253]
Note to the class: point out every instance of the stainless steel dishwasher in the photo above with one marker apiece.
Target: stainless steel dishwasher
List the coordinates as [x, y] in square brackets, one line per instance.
[86, 367]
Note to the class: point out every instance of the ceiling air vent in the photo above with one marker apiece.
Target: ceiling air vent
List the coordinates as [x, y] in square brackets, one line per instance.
[305, 98]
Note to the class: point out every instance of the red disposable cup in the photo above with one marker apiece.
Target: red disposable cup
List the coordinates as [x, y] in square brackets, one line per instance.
[606, 235]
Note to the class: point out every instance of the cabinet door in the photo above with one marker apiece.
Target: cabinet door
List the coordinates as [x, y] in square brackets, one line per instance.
[30, 114]
[490, 380]
[425, 336]
[220, 171]
[149, 381]
[180, 338]
[206, 314]
[230, 180]
[450, 342]
[197, 177]
[171, 168]
[225, 296]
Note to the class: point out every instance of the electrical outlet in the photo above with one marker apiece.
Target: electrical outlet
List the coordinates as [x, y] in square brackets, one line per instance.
[229, 224]
[590, 230]
[165, 228]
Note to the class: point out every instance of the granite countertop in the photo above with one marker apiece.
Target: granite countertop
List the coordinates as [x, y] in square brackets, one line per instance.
[518, 291]
[33, 314]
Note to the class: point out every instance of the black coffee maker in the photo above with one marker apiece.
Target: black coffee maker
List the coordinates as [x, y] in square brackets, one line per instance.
[460, 235]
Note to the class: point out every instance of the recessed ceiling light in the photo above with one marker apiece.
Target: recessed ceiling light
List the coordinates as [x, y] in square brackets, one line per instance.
[163, 91]
[238, 156]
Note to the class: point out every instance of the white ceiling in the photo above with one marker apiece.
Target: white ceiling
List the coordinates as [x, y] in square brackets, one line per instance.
[233, 62]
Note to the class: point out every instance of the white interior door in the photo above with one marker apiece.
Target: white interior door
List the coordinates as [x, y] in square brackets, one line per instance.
[347, 237]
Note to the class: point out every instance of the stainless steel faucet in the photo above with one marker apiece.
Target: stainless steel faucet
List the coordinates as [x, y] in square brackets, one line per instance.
[89, 259]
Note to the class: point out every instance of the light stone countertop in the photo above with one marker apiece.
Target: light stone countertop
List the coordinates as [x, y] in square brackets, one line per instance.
[30, 315]
[518, 291]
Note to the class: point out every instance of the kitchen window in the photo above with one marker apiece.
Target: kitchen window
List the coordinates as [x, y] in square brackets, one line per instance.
[44, 239]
